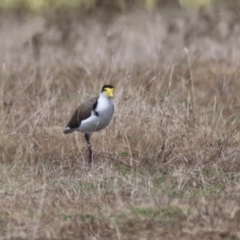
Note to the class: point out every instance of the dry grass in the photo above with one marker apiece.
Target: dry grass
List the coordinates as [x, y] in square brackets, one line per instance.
[168, 165]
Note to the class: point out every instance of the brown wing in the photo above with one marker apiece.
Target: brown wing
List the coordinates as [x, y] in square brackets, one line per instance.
[82, 113]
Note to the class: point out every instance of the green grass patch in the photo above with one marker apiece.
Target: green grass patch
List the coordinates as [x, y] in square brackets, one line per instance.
[211, 190]
[122, 169]
[65, 217]
[168, 212]
[86, 218]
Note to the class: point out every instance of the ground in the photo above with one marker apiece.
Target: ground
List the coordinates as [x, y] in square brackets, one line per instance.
[168, 165]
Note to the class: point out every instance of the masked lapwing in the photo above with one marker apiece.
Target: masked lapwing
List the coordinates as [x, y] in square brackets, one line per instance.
[93, 115]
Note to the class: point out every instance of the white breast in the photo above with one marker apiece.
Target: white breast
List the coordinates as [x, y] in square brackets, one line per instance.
[104, 109]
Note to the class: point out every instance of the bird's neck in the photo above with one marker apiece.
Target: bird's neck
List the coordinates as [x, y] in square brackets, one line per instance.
[102, 97]
[103, 102]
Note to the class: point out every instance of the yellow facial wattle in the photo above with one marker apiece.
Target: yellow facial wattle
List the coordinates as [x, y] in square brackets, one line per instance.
[109, 92]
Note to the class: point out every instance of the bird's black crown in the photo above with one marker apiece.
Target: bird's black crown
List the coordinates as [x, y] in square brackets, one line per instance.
[107, 86]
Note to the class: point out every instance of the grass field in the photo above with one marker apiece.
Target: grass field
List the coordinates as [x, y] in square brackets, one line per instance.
[45, 5]
[168, 165]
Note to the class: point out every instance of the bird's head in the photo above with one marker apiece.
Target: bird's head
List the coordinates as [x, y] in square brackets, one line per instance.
[108, 90]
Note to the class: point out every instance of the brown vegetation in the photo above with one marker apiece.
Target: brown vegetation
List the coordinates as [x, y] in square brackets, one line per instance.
[168, 165]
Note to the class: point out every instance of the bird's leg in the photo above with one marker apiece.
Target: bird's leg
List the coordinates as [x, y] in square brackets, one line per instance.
[87, 137]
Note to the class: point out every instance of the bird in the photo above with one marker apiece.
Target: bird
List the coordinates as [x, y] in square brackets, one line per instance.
[93, 115]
